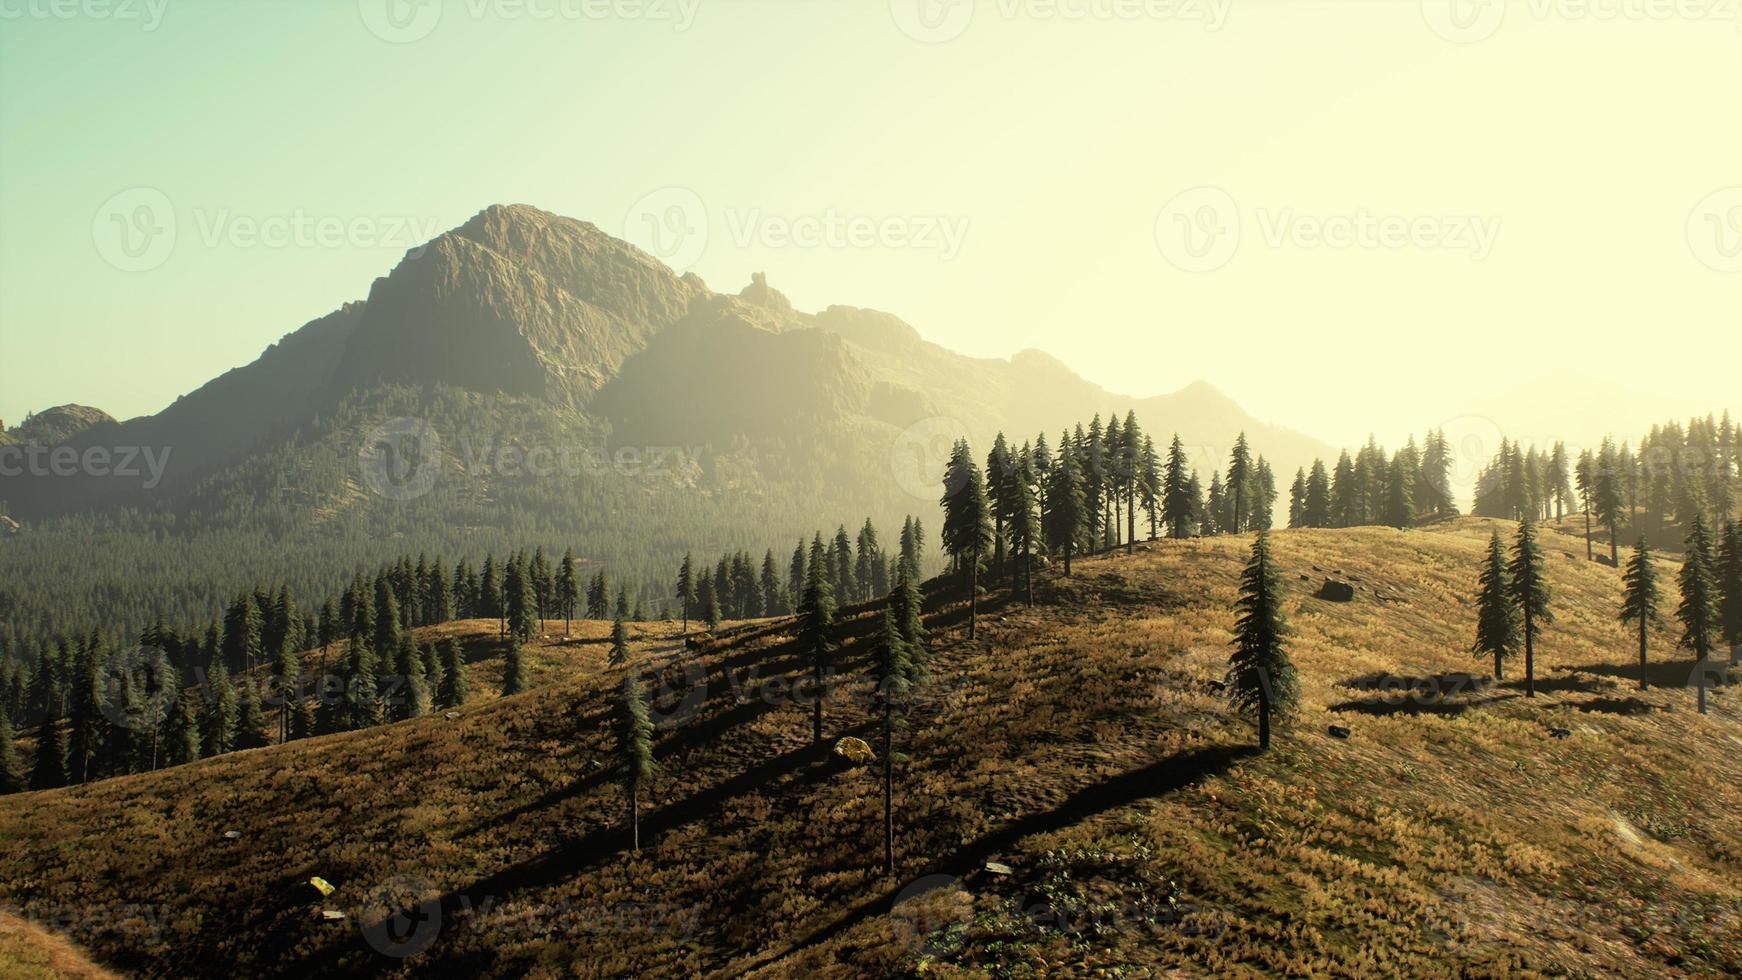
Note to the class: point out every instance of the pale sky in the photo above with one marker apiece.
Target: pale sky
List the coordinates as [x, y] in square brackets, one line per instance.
[1350, 215]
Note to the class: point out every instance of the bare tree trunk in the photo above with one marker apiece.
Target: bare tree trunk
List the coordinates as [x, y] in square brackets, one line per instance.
[1588, 555]
[888, 794]
[1529, 654]
[1263, 721]
[973, 593]
[1131, 521]
[1643, 684]
[635, 820]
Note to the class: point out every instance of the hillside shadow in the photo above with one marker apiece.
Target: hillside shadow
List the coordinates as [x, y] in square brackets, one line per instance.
[1166, 776]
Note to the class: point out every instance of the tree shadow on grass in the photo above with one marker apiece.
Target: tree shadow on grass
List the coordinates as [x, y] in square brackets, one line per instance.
[1667, 674]
[1166, 776]
[1404, 705]
[1619, 706]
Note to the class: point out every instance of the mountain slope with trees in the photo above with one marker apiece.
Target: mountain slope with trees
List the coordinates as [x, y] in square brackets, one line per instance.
[1072, 790]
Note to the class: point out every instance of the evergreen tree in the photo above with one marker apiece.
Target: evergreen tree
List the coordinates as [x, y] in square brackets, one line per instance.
[710, 603]
[287, 672]
[514, 679]
[454, 688]
[1000, 482]
[411, 677]
[50, 770]
[568, 590]
[1260, 673]
[1064, 522]
[967, 522]
[1640, 602]
[634, 751]
[11, 767]
[1239, 486]
[250, 719]
[1316, 509]
[1496, 616]
[619, 643]
[1024, 523]
[86, 720]
[686, 589]
[816, 641]
[1179, 504]
[1698, 612]
[1297, 499]
[182, 743]
[1729, 573]
[1530, 593]
[218, 725]
[772, 594]
[1149, 484]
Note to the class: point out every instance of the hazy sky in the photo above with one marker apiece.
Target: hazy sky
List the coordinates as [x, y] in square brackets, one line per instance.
[1352, 215]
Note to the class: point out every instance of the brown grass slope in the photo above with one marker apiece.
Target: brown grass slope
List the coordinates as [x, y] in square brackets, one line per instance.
[1081, 743]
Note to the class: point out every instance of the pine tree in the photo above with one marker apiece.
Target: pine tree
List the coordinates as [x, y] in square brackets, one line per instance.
[1640, 602]
[999, 484]
[85, 719]
[11, 767]
[513, 669]
[1239, 486]
[1179, 503]
[619, 643]
[568, 590]
[454, 688]
[686, 589]
[50, 770]
[250, 719]
[1530, 593]
[411, 677]
[1064, 522]
[1496, 616]
[967, 522]
[1149, 484]
[1698, 612]
[1297, 499]
[182, 743]
[710, 603]
[1260, 673]
[1024, 523]
[634, 751]
[816, 628]
[1316, 510]
[1729, 572]
[218, 725]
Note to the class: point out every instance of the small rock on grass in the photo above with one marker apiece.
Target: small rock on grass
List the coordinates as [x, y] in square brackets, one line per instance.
[1338, 731]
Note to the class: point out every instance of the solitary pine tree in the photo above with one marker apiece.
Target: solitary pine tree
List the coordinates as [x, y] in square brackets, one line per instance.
[634, 751]
[1530, 593]
[1496, 616]
[513, 669]
[619, 642]
[1260, 673]
[1639, 605]
[568, 589]
[816, 640]
[1698, 612]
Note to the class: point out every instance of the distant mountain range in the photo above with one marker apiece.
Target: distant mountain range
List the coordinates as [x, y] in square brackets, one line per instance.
[525, 331]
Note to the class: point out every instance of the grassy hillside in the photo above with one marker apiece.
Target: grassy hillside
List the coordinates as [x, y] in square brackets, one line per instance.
[1082, 744]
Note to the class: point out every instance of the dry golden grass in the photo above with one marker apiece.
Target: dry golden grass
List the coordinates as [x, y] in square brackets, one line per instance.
[29, 952]
[1081, 743]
